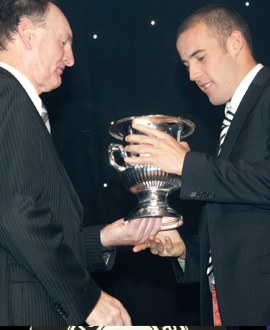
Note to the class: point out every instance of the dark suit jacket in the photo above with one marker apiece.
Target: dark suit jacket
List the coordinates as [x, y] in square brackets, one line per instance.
[236, 216]
[45, 252]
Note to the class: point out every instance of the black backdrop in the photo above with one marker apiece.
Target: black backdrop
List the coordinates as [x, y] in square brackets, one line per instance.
[132, 68]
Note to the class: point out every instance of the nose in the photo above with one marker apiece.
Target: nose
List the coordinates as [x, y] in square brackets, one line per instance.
[194, 72]
[69, 57]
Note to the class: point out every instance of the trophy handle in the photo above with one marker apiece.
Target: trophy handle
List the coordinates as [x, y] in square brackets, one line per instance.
[113, 148]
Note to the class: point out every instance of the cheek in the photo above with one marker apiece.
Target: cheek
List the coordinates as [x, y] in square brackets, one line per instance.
[218, 69]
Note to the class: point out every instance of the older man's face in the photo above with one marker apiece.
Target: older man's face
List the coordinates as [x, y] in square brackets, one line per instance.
[53, 51]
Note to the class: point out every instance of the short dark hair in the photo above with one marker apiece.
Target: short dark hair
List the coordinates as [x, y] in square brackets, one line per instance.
[11, 11]
[221, 20]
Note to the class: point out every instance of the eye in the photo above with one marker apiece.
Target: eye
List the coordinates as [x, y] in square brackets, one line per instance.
[63, 43]
[201, 58]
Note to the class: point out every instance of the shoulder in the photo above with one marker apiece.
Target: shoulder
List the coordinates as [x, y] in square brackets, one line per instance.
[263, 76]
[9, 85]
[15, 104]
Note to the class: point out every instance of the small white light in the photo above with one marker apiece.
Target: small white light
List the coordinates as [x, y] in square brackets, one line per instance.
[105, 185]
[95, 36]
[153, 23]
[247, 4]
[112, 122]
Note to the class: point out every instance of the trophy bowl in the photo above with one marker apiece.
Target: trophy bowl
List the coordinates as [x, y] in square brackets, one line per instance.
[150, 184]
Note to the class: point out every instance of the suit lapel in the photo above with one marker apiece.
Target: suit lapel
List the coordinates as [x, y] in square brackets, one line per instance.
[64, 175]
[60, 166]
[253, 93]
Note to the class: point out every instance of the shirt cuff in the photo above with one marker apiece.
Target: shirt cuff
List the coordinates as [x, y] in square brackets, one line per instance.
[182, 263]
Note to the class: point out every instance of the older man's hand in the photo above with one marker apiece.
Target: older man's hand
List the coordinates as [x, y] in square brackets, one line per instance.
[133, 232]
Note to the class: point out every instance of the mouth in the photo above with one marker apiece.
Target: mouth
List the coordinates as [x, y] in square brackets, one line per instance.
[61, 70]
[206, 87]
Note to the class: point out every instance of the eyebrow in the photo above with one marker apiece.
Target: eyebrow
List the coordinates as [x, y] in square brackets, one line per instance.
[70, 38]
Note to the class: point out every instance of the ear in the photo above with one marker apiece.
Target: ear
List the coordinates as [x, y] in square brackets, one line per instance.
[236, 40]
[25, 30]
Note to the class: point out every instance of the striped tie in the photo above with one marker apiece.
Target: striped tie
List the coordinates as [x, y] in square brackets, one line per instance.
[45, 117]
[229, 114]
[210, 266]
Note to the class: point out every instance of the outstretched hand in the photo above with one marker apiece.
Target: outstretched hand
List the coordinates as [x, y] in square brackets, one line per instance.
[167, 243]
[134, 232]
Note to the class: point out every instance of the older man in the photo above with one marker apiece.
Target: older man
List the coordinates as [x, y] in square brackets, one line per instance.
[45, 253]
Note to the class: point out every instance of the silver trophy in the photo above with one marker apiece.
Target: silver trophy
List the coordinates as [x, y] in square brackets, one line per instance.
[151, 185]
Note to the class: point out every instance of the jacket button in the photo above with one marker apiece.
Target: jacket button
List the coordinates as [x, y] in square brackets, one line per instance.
[57, 305]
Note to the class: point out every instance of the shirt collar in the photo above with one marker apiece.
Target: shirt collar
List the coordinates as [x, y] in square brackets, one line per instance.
[243, 87]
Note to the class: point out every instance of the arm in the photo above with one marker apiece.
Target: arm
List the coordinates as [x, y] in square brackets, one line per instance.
[243, 179]
[225, 180]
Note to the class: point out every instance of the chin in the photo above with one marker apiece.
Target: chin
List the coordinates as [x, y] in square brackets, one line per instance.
[57, 84]
[216, 101]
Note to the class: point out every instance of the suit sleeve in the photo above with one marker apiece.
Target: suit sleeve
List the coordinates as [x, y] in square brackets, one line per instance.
[241, 176]
[29, 230]
[94, 253]
[225, 180]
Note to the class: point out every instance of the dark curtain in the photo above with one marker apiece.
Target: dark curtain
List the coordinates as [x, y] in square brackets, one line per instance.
[132, 69]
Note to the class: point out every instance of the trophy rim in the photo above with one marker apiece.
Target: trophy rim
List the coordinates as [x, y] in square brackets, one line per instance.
[116, 129]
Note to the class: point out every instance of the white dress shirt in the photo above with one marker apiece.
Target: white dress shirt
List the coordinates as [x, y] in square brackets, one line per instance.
[243, 87]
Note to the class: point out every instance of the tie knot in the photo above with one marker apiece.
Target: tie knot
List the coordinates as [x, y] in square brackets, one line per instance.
[227, 107]
[44, 115]
[229, 110]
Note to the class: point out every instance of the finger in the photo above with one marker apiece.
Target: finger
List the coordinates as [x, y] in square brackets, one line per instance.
[184, 144]
[140, 224]
[141, 148]
[125, 317]
[137, 160]
[118, 321]
[154, 251]
[139, 229]
[156, 225]
[156, 245]
[153, 226]
[141, 247]
[140, 138]
[168, 245]
[149, 130]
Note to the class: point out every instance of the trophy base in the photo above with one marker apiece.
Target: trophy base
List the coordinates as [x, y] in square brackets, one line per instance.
[170, 218]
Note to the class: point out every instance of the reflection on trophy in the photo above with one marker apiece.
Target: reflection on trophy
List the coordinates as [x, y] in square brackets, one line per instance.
[151, 185]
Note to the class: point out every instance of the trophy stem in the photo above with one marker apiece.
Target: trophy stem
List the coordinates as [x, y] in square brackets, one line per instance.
[153, 203]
